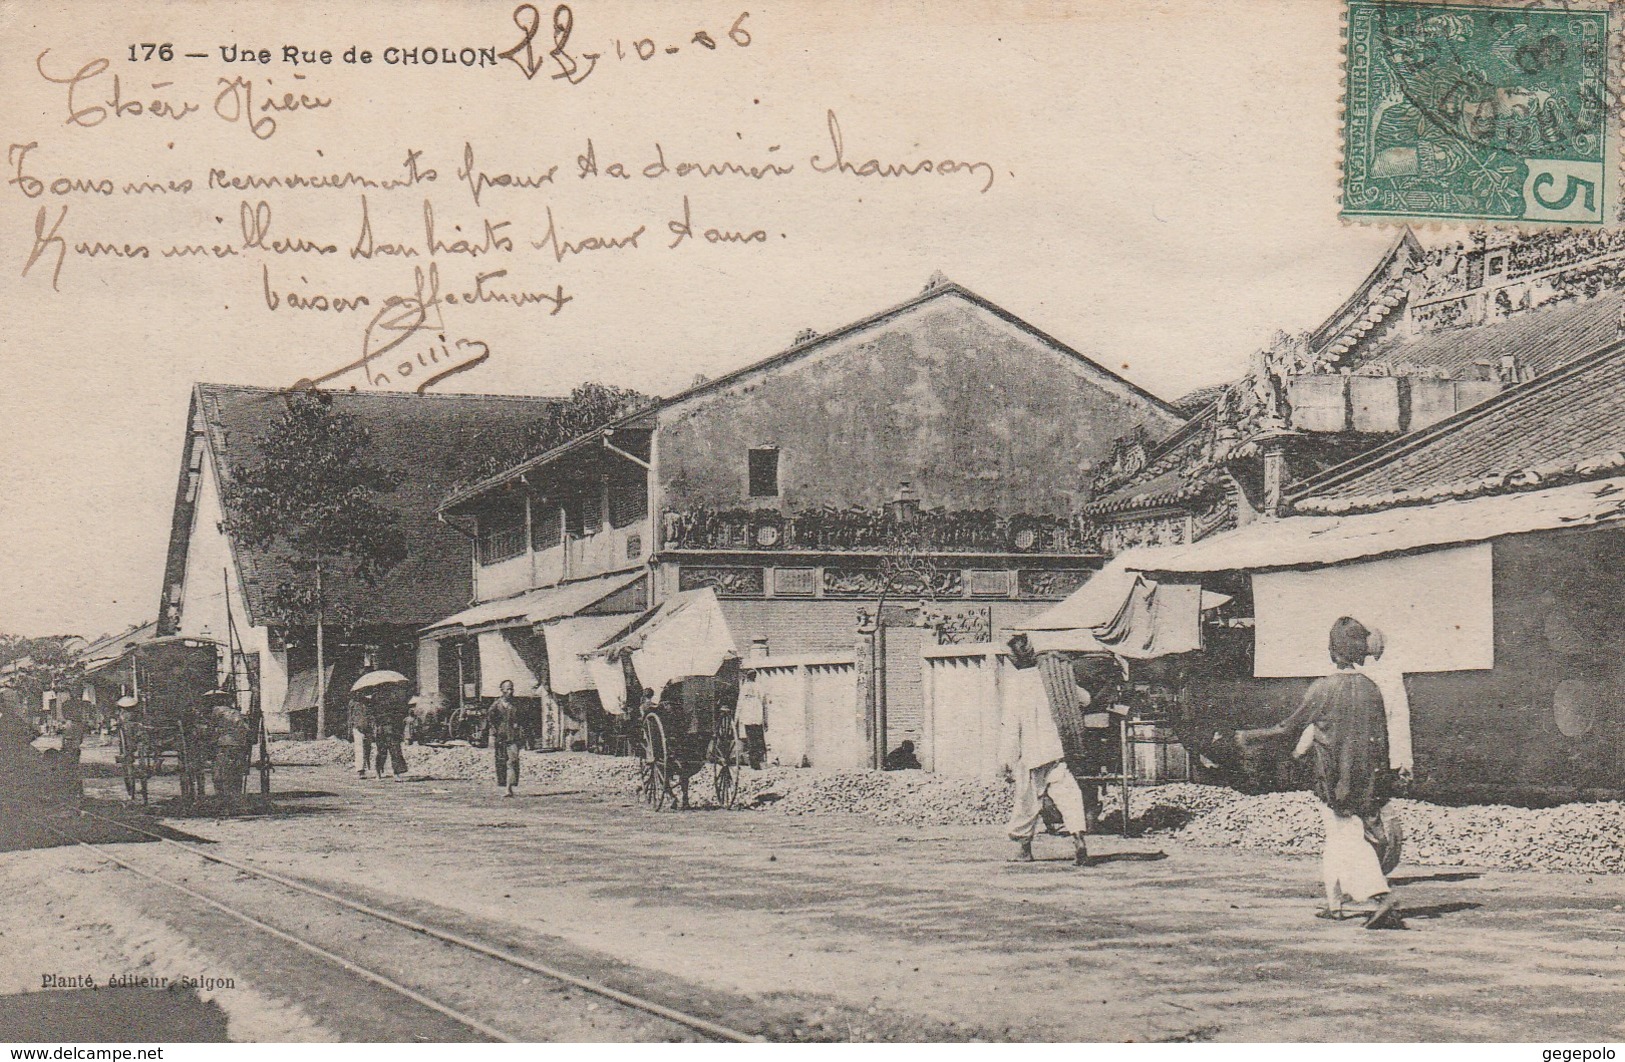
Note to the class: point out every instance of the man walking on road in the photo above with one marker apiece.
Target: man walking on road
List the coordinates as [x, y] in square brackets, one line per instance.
[507, 733]
[361, 730]
[1032, 750]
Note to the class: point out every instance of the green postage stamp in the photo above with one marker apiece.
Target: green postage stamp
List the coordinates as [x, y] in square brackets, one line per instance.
[1482, 113]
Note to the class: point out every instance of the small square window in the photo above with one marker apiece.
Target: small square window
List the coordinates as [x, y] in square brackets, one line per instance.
[764, 472]
[1498, 265]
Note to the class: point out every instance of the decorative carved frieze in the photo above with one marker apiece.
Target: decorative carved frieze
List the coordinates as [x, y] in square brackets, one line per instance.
[1167, 529]
[970, 625]
[866, 530]
[727, 582]
[1049, 583]
[867, 582]
[1217, 514]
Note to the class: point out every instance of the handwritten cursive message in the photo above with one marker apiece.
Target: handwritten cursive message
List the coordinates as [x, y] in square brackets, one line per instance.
[284, 175]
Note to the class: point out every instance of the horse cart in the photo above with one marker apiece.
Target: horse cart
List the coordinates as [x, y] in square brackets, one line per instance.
[189, 714]
[689, 732]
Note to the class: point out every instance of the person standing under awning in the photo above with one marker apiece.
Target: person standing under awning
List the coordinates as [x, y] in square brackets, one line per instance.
[1031, 748]
[360, 730]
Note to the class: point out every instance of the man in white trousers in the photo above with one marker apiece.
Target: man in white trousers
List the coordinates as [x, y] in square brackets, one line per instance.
[1031, 748]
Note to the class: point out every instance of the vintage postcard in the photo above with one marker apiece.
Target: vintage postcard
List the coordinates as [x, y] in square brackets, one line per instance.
[836, 522]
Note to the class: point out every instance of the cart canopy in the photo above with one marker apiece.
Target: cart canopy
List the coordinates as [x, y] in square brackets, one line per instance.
[686, 637]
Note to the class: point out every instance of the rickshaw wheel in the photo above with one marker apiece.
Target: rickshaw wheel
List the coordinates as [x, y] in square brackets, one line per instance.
[655, 768]
[725, 758]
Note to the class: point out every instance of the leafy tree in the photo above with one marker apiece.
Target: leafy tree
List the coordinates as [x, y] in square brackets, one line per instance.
[51, 666]
[12, 647]
[589, 406]
[311, 495]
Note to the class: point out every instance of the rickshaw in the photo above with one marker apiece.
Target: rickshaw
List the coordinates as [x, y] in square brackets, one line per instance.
[167, 720]
[690, 729]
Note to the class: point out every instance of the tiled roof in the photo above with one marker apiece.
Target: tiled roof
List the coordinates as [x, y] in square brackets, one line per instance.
[1193, 402]
[1171, 487]
[1564, 426]
[433, 440]
[1541, 339]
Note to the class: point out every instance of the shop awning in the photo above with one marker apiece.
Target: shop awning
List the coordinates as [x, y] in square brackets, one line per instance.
[1310, 541]
[1122, 611]
[567, 640]
[533, 606]
[301, 694]
[685, 637]
[512, 655]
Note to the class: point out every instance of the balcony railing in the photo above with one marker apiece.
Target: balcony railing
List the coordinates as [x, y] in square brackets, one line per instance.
[497, 546]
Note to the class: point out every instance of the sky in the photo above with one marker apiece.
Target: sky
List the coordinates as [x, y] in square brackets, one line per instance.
[1152, 183]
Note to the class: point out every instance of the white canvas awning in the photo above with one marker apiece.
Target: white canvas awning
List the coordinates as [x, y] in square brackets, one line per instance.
[567, 640]
[302, 685]
[533, 606]
[1121, 611]
[685, 637]
[513, 655]
[1436, 612]
[1311, 541]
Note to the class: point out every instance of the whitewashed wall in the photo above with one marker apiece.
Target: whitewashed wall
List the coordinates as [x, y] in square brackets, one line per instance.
[963, 688]
[813, 712]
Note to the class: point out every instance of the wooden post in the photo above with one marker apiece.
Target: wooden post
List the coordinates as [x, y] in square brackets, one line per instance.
[321, 662]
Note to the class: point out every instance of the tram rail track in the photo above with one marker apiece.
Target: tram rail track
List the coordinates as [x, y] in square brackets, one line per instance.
[694, 1023]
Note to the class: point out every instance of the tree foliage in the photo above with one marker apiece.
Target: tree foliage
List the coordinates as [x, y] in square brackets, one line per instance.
[589, 406]
[311, 495]
[50, 664]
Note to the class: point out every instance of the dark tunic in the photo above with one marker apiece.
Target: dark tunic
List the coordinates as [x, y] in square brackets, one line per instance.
[1350, 754]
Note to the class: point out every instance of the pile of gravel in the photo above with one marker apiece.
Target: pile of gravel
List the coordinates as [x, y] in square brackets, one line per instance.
[1569, 838]
[912, 798]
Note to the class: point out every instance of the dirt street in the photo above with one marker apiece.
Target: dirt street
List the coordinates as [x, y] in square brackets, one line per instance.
[834, 927]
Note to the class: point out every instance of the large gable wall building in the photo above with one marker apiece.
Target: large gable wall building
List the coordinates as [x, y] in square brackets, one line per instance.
[944, 427]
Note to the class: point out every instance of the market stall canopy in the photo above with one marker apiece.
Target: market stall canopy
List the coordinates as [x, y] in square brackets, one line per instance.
[609, 680]
[567, 640]
[1094, 604]
[534, 606]
[1307, 541]
[1121, 611]
[685, 637]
